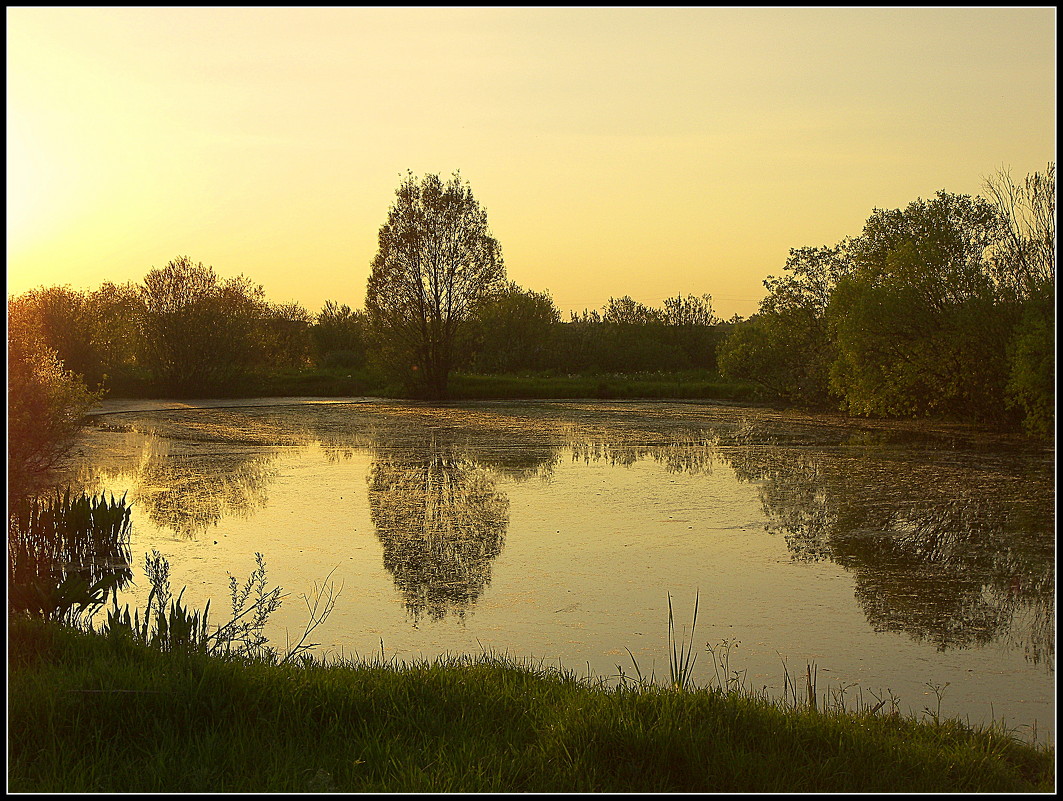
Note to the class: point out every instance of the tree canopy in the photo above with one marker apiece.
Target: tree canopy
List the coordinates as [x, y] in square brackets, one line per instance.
[199, 334]
[943, 308]
[437, 260]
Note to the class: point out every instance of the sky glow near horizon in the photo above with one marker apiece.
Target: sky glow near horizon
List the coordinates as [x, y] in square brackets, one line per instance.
[617, 151]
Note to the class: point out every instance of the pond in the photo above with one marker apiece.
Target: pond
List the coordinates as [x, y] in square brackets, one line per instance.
[902, 561]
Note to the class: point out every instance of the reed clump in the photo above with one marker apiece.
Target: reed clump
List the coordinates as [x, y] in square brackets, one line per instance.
[67, 553]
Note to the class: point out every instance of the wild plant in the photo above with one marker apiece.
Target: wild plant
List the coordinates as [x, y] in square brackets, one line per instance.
[72, 602]
[891, 699]
[176, 629]
[319, 606]
[682, 656]
[66, 554]
[180, 628]
[638, 680]
[939, 692]
[726, 679]
[243, 633]
[790, 685]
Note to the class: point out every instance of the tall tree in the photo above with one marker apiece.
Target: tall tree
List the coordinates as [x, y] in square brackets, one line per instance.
[1023, 259]
[436, 260]
[1023, 263]
[915, 325]
[787, 348]
[512, 329]
[689, 311]
[339, 335]
[628, 311]
[67, 323]
[286, 334]
[200, 334]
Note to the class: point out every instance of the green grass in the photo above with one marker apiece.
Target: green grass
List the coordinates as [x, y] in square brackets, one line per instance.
[318, 382]
[87, 714]
[693, 384]
[332, 382]
[352, 382]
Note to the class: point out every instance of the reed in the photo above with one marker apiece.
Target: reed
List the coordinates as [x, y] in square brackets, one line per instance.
[681, 652]
[66, 554]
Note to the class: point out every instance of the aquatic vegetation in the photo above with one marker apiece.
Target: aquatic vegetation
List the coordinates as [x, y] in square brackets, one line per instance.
[682, 656]
[66, 554]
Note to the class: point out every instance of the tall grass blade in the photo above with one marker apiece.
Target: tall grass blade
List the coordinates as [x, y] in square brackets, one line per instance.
[682, 655]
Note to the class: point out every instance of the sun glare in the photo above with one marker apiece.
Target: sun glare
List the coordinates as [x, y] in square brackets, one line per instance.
[32, 186]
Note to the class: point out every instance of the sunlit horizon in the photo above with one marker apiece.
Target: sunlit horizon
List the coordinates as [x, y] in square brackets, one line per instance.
[617, 151]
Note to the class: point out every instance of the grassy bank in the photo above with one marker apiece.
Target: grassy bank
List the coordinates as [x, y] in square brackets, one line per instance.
[87, 714]
[352, 382]
[692, 384]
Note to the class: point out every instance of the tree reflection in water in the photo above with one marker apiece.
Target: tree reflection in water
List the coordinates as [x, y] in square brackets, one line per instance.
[953, 554]
[684, 452]
[441, 521]
[190, 495]
[946, 543]
[188, 486]
[434, 499]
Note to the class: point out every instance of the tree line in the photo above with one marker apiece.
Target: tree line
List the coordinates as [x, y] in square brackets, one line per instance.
[185, 332]
[943, 308]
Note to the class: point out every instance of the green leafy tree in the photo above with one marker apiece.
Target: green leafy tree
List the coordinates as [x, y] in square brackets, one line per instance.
[118, 310]
[631, 336]
[689, 311]
[1031, 386]
[1023, 264]
[915, 324]
[286, 334]
[200, 335]
[436, 261]
[1022, 260]
[339, 335]
[691, 331]
[93, 333]
[786, 347]
[66, 321]
[513, 329]
[627, 311]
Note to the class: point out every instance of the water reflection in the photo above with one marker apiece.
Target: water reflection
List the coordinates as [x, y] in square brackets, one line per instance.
[947, 543]
[686, 452]
[185, 487]
[192, 494]
[956, 554]
[434, 498]
[441, 521]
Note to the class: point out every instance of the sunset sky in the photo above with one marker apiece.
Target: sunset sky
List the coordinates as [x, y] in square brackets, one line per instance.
[617, 151]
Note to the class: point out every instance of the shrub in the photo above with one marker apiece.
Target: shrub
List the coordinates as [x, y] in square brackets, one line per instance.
[45, 405]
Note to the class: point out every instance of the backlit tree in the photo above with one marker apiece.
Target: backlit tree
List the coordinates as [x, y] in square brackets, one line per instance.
[436, 261]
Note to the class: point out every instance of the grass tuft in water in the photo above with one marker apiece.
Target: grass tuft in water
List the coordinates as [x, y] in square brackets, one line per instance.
[681, 652]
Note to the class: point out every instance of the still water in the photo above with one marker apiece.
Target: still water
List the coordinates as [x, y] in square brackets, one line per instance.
[896, 558]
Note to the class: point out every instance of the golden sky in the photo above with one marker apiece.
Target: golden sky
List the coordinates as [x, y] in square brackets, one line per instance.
[617, 151]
